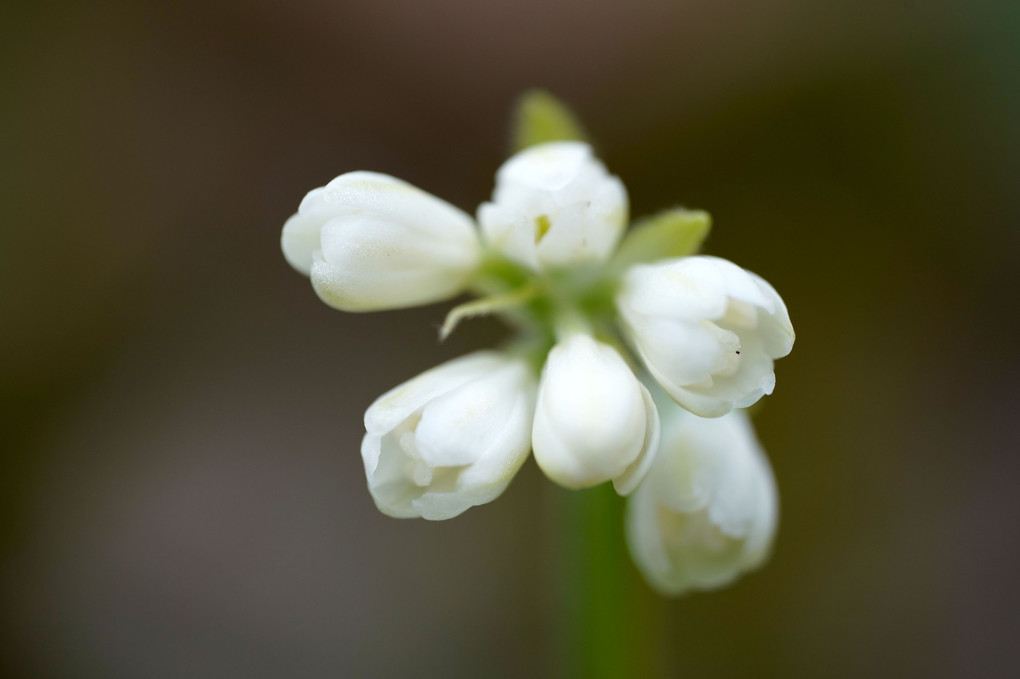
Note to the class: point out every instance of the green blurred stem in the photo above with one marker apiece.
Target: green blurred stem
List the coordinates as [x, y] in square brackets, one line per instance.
[607, 628]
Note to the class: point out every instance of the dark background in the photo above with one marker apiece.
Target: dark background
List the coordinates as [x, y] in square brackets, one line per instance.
[181, 492]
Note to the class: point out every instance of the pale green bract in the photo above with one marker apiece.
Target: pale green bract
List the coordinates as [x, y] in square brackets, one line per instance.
[671, 233]
[543, 118]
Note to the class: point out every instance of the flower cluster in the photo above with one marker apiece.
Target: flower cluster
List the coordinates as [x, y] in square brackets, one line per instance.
[633, 356]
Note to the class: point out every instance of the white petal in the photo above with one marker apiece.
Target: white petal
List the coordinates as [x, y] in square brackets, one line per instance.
[566, 243]
[451, 438]
[632, 476]
[592, 421]
[554, 206]
[399, 403]
[491, 441]
[509, 233]
[740, 283]
[707, 330]
[777, 330]
[391, 199]
[547, 167]
[689, 352]
[373, 242]
[688, 288]
[300, 238]
[707, 510]
[462, 425]
[369, 264]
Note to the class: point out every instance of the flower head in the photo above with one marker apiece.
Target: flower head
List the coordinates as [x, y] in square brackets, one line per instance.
[550, 253]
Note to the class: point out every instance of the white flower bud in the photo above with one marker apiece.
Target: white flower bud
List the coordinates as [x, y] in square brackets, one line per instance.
[594, 420]
[707, 511]
[707, 330]
[451, 438]
[554, 206]
[371, 242]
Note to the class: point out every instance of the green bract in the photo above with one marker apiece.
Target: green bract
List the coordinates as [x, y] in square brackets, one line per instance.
[542, 118]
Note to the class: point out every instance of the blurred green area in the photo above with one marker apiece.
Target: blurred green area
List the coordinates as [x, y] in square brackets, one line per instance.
[181, 493]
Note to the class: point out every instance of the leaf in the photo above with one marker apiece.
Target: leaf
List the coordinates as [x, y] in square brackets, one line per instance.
[671, 233]
[542, 118]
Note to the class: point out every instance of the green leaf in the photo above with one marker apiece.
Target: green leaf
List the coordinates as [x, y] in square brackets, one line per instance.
[542, 118]
[672, 233]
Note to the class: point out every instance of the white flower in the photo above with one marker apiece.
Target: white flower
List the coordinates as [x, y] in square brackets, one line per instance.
[372, 242]
[594, 421]
[450, 438]
[707, 510]
[554, 206]
[707, 330]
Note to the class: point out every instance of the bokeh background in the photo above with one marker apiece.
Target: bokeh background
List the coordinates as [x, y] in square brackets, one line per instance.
[181, 492]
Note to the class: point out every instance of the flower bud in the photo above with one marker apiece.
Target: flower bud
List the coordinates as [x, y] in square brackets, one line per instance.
[554, 206]
[707, 510]
[594, 421]
[373, 242]
[451, 438]
[707, 330]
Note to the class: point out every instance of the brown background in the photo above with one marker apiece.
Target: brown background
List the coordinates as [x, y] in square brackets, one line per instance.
[181, 493]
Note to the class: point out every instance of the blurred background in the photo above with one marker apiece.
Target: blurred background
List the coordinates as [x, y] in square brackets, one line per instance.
[181, 492]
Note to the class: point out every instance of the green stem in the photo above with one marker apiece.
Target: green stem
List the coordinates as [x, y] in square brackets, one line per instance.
[607, 625]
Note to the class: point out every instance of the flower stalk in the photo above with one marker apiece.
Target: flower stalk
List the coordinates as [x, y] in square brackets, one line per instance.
[607, 626]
